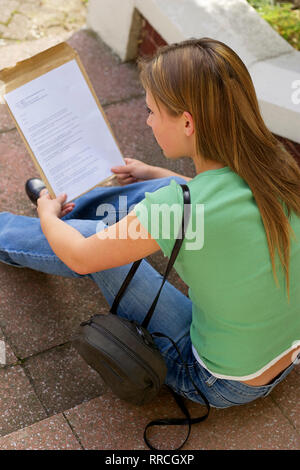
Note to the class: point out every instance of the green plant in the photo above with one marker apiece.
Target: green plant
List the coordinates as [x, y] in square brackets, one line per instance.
[282, 18]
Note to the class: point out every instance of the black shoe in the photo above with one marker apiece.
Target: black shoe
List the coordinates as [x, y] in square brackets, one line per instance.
[33, 187]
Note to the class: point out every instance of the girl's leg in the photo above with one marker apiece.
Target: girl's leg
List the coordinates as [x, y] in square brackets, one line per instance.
[23, 244]
[172, 317]
[173, 312]
[116, 200]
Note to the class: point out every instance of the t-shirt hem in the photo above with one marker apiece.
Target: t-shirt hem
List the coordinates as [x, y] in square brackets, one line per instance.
[296, 345]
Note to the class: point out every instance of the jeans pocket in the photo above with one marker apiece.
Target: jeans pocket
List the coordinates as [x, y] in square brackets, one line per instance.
[210, 387]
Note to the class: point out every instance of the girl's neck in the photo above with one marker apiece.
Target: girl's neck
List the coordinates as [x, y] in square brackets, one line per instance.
[202, 165]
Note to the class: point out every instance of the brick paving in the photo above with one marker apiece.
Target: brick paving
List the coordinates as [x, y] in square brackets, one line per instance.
[49, 397]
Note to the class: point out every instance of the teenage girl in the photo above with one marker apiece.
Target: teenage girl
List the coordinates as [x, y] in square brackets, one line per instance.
[239, 329]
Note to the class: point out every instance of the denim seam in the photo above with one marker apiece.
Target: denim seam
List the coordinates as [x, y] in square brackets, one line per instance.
[108, 288]
[30, 254]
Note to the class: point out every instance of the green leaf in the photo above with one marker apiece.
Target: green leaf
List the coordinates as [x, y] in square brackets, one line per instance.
[282, 18]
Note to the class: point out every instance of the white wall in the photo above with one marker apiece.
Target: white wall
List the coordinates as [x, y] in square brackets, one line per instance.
[273, 63]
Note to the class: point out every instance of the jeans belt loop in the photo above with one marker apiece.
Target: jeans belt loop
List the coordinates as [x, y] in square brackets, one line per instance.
[211, 380]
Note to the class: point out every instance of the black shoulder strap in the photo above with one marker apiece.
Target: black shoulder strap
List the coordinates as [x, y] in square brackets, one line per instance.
[175, 251]
[124, 286]
[176, 248]
[180, 402]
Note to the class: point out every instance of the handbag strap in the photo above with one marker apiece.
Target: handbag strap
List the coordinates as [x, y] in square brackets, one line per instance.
[175, 251]
[123, 287]
[180, 402]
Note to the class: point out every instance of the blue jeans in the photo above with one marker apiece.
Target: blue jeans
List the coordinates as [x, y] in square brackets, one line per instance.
[22, 244]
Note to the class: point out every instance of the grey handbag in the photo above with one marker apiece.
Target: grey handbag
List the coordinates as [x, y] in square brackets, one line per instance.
[124, 353]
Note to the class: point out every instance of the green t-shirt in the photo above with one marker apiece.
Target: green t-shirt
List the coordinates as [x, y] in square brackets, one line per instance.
[242, 322]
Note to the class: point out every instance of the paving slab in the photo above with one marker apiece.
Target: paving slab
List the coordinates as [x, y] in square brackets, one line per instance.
[15, 166]
[32, 19]
[49, 434]
[7, 9]
[62, 379]
[6, 122]
[112, 80]
[107, 423]
[287, 397]
[28, 27]
[40, 311]
[19, 404]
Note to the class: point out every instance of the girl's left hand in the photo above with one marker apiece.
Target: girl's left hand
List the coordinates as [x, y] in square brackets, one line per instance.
[47, 206]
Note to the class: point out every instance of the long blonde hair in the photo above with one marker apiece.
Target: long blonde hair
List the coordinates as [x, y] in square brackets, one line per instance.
[208, 79]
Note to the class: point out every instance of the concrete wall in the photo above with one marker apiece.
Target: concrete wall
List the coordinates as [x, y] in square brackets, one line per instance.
[273, 63]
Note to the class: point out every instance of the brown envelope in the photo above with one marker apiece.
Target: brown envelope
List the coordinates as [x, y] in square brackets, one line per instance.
[29, 69]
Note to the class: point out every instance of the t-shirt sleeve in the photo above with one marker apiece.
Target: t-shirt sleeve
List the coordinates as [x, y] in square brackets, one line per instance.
[160, 213]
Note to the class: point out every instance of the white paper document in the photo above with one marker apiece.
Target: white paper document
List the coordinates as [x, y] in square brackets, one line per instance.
[65, 129]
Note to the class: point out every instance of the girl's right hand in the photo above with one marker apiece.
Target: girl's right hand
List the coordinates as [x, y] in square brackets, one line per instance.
[133, 172]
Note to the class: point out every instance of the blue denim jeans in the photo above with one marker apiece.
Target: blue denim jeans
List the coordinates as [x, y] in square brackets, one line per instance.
[22, 244]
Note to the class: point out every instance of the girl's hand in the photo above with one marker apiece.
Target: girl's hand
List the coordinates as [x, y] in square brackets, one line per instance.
[47, 206]
[133, 172]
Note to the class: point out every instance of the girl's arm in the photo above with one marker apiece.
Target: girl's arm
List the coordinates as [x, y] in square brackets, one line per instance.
[117, 245]
[136, 170]
[159, 172]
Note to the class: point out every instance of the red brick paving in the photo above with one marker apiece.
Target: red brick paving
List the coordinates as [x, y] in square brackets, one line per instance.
[50, 434]
[107, 423]
[19, 404]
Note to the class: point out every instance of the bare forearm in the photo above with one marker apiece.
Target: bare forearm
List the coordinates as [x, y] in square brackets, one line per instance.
[64, 240]
[159, 172]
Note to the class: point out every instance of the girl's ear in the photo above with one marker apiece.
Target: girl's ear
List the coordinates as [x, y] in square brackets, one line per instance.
[189, 127]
